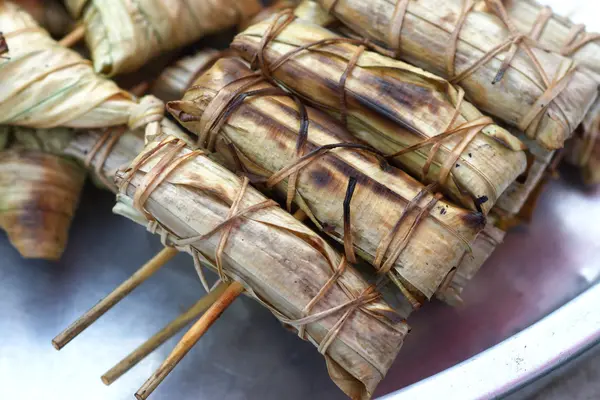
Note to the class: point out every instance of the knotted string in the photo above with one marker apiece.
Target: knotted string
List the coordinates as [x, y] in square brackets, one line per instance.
[513, 42]
[572, 44]
[395, 28]
[233, 95]
[395, 245]
[348, 241]
[168, 240]
[470, 128]
[277, 25]
[342, 83]
[383, 267]
[107, 140]
[540, 23]
[352, 305]
[167, 164]
[147, 114]
[165, 167]
[370, 294]
[230, 97]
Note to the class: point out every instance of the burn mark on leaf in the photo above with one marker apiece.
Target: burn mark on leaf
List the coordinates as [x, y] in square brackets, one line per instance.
[328, 228]
[474, 220]
[450, 18]
[479, 201]
[320, 177]
[501, 140]
[3, 46]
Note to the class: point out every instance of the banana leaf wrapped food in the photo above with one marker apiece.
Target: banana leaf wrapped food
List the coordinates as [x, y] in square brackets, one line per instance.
[101, 151]
[542, 93]
[49, 169]
[175, 79]
[124, 35]
[173, 83]
[39, 194]
[419, 120]
[553, 32]
[45, 85]
[200, 207]
[559, 34]
[391, 220]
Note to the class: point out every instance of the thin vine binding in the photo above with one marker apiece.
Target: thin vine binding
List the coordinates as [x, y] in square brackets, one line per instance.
[204, 209]
[310, 159]
[542, 93]
[559, 34]
[420, 121]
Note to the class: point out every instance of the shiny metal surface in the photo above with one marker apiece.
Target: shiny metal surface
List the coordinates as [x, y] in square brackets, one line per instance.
[535, 271]
[247, 354]
[565, 334]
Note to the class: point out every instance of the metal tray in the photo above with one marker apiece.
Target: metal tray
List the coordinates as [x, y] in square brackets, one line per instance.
[247, 354]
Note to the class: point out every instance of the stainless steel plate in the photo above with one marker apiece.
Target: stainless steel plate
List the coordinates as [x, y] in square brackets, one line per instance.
[247, 354]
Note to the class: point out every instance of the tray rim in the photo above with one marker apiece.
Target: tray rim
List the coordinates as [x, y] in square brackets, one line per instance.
[517, 362]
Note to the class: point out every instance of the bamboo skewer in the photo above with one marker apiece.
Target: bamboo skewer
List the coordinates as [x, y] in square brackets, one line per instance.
[190, 338]
[113, 298]
[165, 334]
[300, 215]
[73, 37]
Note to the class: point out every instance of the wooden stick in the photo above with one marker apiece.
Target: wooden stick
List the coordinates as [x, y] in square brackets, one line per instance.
[190, 339]
[139, 89]
[113, 298]
[300, 215]
[73, 37]
[165, 334]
